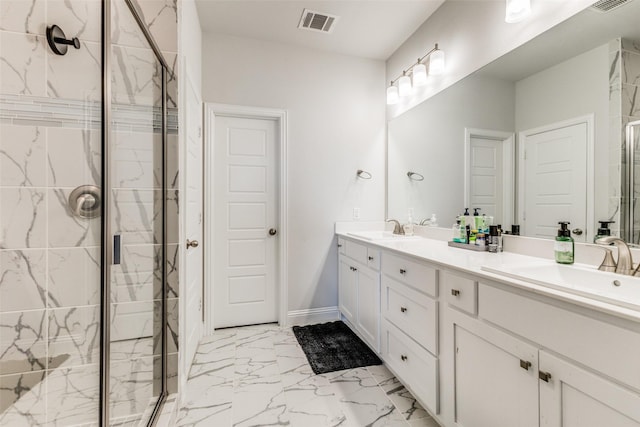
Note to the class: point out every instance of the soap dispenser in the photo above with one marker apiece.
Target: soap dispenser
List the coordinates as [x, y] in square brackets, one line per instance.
[603, 230]
[564, 245]
[478, 222]
[408, 227]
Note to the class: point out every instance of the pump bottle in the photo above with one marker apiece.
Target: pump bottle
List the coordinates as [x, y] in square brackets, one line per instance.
[564, 244]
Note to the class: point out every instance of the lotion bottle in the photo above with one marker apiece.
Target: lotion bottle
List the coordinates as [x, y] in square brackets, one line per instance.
[408, 227]
[564, 244]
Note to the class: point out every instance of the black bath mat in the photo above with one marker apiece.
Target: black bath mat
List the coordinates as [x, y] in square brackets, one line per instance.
[333, 347]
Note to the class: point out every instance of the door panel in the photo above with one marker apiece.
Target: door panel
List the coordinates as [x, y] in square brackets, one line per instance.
[555, 174]
[574, 397]
[245, 170]
[194, 223]
[486, 186]
[482, 365]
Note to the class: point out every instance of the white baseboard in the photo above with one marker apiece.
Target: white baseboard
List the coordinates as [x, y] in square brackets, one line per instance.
[313, 315]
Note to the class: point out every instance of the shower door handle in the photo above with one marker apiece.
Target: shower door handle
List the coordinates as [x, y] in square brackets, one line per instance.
[116, 249]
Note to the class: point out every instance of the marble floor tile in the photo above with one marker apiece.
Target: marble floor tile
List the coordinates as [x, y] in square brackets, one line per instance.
[259, 376]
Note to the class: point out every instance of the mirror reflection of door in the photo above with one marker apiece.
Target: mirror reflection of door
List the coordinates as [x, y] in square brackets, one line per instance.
[489, 173]
[555, 179]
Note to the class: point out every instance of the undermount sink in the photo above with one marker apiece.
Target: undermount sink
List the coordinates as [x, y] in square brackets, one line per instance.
[580, 280]
[381, 235]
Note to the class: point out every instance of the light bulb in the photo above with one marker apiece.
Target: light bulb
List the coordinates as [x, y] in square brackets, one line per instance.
[404, 85]
[419, 75]
[436, 62]
[517, 10]
[392, 95]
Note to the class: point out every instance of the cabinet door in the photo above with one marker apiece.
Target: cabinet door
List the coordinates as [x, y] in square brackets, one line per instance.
[347, 290]
[573, 397]
[368, 322]
[494, 384]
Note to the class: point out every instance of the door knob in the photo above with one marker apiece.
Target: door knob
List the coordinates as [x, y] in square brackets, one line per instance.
[272, 232]
[192, 243]
[577, 231]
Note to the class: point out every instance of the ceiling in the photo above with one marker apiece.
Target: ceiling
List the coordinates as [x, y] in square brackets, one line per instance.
[580, 33]
[365, 28]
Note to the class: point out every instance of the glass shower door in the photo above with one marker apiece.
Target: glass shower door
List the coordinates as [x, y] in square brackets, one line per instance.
[136, 188]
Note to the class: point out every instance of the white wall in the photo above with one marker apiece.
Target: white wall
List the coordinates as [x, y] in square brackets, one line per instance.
[573, 88]
[472, 34]
[336, 109]
[429, 140]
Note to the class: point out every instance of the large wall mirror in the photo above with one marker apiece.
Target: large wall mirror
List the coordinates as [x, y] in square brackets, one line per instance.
[536, 137]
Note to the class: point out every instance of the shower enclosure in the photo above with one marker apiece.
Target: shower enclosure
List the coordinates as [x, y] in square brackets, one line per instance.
[83, 215]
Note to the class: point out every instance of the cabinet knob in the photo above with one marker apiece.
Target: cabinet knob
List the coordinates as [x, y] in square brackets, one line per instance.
[544, 376]
[403, 271]
[403, 309]
[339, 245]
[524, 364]
[403, 357]
[455, 292]
[192, 243]
[370, 258]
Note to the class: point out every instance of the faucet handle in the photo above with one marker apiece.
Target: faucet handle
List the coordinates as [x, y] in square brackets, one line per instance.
[608, 263]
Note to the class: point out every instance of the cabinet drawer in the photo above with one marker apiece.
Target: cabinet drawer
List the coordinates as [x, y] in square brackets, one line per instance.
[356, 251]
[413, 312]
[460, 292]
[602, 346]
[419, 276]
[373, 259]
[342, 250]
[413, 365]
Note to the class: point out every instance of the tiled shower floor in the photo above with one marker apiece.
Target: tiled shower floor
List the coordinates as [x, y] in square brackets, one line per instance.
[259, 376]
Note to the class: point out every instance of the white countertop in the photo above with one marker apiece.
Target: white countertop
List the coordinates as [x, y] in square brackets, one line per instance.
[438, 252]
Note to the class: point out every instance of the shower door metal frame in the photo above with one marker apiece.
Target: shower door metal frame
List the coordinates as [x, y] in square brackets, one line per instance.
[628, 199]
[107, 236]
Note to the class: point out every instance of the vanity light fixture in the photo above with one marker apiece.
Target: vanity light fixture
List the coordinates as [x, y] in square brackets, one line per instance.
[404, 85]
[517, 10]
[418, 72]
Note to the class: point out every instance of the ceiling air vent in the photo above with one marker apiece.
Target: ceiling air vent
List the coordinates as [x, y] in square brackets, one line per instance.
[317, 21]
[607, 5]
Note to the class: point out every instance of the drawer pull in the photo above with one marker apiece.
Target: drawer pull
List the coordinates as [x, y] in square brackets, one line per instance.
[525, 364]
[544, 376]
[403, 357]
[403, 309]
[403, 271]
[370, 258]
[353, 269]
[455, 292]
[339, 245]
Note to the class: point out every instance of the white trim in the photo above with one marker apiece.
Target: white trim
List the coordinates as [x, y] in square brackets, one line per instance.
[589, 120]
[211, 110]
[313, 315]
[508, 168]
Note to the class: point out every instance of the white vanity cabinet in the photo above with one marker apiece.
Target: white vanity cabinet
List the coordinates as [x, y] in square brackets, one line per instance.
[517, 361]
[359, 289]
[410, 325]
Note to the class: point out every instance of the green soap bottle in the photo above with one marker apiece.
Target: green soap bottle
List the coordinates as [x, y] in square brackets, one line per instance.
[564, 245]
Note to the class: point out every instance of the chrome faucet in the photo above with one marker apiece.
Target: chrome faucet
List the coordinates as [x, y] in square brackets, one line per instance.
[397, 228]
[625, 260]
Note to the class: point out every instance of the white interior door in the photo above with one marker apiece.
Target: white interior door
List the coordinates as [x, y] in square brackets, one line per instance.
[193, 220]
[489, 173]
[555, 180]
[245, 222]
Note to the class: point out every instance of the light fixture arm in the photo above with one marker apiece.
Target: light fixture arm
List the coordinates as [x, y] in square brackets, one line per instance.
[419, 61]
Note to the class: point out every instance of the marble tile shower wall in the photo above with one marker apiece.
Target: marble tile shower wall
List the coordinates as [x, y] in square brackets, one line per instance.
[624, 107]
[50, 260]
